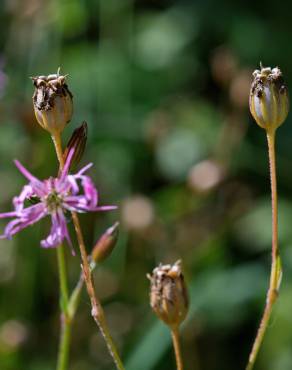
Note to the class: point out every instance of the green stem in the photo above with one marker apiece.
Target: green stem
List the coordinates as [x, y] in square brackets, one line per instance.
[75, 297]
[64, 344]
[275, 275]
[65, 335]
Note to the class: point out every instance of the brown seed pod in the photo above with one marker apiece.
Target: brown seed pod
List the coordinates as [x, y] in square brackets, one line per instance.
[268, 99]
[52, 101]
[168, 294]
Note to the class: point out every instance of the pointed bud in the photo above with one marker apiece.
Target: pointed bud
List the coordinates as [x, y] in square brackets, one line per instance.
[77, 142]
[168, 294]
[268, 100]
[52, 102]
[105, 245]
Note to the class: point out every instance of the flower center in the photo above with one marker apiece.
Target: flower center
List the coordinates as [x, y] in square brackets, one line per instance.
[53, 201]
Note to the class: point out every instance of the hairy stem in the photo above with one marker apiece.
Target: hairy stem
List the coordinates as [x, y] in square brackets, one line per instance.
[96, 308]
[176, 346]
[64, 343]
[275, 275]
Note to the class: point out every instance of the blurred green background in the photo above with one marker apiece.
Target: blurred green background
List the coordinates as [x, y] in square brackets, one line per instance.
[164, 88]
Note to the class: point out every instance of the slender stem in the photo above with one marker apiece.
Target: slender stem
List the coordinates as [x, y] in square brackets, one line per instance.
[272, 293]
[272, 161]
[65, 335]
[58, 147]
[176, 346]
[75, 297]
[62, 278]
[64, 344]
[97, 310]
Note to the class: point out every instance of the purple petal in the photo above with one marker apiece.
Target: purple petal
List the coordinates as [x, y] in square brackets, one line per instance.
[90, 197]
[36, 184]
[84, 169]
[32, 211]
[65, 232]
[68, 185]
[74, 184]
[104, 208]
[29, 216]
[66, 167]
[10, 228]
[8, 214]
[56, 236]
[83, 202]
[18, 202]
[25, 172]
[90, 191]
[58, 232]
[78, 203]
[49, 184]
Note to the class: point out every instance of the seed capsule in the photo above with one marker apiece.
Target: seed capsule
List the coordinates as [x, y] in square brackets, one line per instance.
[168, 294]
[268, 100]
[52, 102]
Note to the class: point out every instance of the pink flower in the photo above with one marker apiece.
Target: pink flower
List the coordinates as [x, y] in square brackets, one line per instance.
[56, 196]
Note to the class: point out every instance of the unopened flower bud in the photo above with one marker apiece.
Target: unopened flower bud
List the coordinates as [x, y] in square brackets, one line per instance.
[168, 294]
[77, 142]
[52, 102]
[105, 245]
[268, 100]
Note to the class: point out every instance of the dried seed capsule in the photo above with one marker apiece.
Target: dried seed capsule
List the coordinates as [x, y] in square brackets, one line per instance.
[105, 245]
[77, 142]
[168, 294]
[268, 100]
[52, 102]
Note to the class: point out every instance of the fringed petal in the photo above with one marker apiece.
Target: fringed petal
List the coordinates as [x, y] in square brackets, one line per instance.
[37, 185]
[29, 216]
[18, 202]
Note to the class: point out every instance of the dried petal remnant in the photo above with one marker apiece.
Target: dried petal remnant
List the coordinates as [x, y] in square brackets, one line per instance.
[268, 101]
[52, 102]
[168, 294]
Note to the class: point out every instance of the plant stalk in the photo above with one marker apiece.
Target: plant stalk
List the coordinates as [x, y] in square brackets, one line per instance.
[58, 147]
[176, 346]
[96, 308]
[275, 276]
[65, 336]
